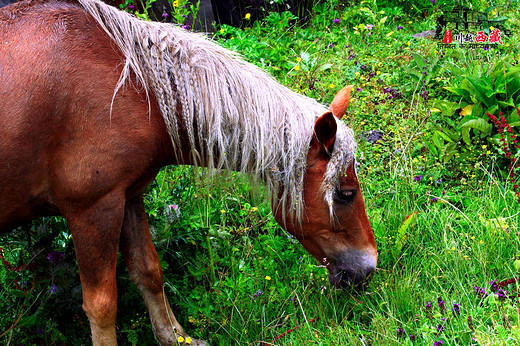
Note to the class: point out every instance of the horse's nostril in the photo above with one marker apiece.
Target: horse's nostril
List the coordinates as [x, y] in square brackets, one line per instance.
[350, 277]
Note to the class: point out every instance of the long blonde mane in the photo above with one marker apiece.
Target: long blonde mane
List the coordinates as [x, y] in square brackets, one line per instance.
[241, 117]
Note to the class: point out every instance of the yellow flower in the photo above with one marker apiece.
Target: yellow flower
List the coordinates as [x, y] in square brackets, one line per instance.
[221, 31]
[488, 152]
[453, 248]
[298, 59]
[431, 178]
[481, 242]
[222, 211]
[254, 209]
[332, 86]
[491, 28]
[297, 68]
[248, 15]
[494, 13]
[484, 146]
[176, 4]
[188, 340]
[268, 278]
[378, 73]
[408, 43]
[180, 339]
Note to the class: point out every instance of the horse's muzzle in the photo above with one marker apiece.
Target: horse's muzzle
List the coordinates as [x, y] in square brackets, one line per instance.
[353, 270]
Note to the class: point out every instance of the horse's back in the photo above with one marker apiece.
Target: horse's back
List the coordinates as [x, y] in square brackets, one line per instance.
[66, 141]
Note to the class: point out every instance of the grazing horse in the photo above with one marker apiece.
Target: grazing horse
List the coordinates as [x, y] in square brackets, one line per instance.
[94, 102]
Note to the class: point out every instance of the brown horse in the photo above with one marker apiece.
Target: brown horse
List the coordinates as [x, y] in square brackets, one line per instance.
[94, 102]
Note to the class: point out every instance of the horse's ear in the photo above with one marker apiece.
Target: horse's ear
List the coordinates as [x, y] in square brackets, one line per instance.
[325, 131]
[339, 105]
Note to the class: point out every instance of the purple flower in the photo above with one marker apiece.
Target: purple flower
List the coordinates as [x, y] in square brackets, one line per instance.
[480, 291]
[336, 21]
[432, 1]
[369, 26]
[56, 257]
[433, 200]
[400, 332]
[165, 15]
[485, 47]
[438, 181]
[442, 304]
[456, 309]
[186, 27]
[417, 178]
[399, 27]
[53, 289]
[412, 337]
[131, 7]
[359, 89]
[494, 285]
[254, 296]
[438, 343]
[331, 45]
[351, 56]
[440, 328]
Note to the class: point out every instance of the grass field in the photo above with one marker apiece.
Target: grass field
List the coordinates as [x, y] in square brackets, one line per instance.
[439, 198]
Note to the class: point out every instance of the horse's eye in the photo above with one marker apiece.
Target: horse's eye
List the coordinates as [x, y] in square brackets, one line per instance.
[345, 196]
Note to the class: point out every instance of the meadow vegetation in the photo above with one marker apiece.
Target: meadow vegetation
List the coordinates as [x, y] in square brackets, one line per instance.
[437, 157]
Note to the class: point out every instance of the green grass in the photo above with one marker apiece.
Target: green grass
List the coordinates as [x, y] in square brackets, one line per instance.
[234, 277]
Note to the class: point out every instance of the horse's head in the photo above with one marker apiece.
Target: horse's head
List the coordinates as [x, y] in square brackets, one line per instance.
[343, 240]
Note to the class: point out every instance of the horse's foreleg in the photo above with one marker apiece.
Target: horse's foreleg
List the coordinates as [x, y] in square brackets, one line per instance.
[96, 232]
[145, 271]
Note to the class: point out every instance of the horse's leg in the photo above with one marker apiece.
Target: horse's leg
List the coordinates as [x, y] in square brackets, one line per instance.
[96, 231]
[145, 271]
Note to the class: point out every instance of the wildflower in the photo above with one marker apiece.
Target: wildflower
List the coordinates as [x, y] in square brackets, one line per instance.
[441, 305]
[456, 309]
[180, 339]
[380, 81]
[440, 328]
[470, 323]
[186, 27]
[259, 292]
[336, 21]
[248, 16]
[378, 73]
[222, 31]
[222, 211]
[331, 45]
[417, 178]
[400, 332]
[188, 340]
[501, 294]
[56, 257]
[369, 26]
[438, 181]
[432, 1]
[438, 343]
[351, 56]
[412, 337]
[399, 27]
[254, 209]
[359, 89]
[165, 15]
[268, 278]
[176, 3]
[53, 289]
[481, 293]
